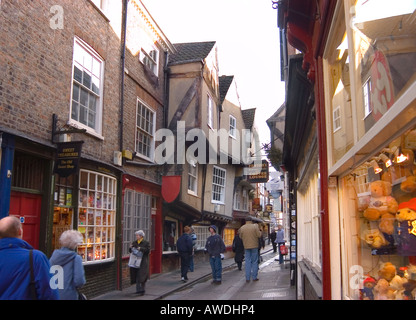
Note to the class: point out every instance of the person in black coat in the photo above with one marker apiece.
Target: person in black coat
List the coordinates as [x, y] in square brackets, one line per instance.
[184, 247]
[273, 239]
[140, 275]
[238, 249]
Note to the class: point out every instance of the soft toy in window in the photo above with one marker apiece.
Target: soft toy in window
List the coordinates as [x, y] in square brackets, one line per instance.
[381, 201]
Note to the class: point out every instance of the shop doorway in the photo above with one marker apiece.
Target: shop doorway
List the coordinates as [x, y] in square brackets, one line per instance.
[27, 207]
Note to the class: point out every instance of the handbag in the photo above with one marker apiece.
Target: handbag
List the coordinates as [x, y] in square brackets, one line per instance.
[283, 250]
[135, 258]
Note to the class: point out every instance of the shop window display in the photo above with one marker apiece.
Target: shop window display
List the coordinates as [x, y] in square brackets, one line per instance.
[63, 208]
[96, 216]
[379, 198]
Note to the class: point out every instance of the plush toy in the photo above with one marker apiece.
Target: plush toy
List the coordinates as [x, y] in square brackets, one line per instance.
[387, 271]
[383, 290]
[367, 292]
[374, 238]
[397, 285]
[386, 224]
[406, 228]
[406, 211]
[381, 201]
[409, 185]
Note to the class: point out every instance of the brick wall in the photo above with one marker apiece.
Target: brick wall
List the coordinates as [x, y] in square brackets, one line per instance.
[36, 68]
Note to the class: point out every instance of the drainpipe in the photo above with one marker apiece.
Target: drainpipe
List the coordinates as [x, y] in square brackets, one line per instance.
[121, 125]
[123, 64]
[323, 168]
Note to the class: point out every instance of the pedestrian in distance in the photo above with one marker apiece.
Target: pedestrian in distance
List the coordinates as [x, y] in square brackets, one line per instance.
[71, 263]
[139, 262]
[184, 247]
[238, 249]
[191, 260]
[215, 247]
[280, 240]
[18, 262]
[250, 234]
[273, 239]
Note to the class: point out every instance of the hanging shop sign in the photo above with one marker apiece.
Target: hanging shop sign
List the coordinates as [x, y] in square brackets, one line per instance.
[171, 186]
[261, 177]
[382, 91]
[67, 158]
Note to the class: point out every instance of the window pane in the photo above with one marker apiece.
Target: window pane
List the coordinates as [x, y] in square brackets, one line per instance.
[95, 218]
[77, 74]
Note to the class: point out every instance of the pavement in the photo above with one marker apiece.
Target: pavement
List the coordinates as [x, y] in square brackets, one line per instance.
[274, 282]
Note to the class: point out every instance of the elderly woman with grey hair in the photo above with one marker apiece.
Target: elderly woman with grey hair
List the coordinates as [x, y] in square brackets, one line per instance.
[71, 263]
[140, 273]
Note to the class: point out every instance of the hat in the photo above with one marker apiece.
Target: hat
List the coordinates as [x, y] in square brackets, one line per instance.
[213, 227]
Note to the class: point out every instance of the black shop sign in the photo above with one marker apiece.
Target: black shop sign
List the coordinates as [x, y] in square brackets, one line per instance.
[67, 158]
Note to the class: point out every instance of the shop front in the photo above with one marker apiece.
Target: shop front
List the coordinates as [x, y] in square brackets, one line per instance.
[370, 103]
[142, 210]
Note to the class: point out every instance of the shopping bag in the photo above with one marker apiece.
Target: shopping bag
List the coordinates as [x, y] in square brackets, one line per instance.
[135, 258]
[283, 249]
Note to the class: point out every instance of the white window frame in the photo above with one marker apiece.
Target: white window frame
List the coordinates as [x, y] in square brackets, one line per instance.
[245, 199]
[193, 177]
[219, 176]
[202, 234]
[237, 198]
[145, 130]
[210, 110]
[367, 97]
[94, 70]
[137, 216]
[336, 118]
[97, 216]
[149, 56]
[233, 126]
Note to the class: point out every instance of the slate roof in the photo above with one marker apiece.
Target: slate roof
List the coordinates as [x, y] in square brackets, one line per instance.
[248, 117]
[225, 83]
[190, 52]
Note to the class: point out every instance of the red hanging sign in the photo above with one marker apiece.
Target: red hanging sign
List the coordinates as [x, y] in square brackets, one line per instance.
[171, 185]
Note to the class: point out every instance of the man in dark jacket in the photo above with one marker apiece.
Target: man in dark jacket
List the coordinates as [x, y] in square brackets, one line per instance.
[215, 247]
[15, 266]
[184, 247]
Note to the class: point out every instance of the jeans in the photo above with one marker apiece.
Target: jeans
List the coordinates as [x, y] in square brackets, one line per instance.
[252, 263]
[216, 266]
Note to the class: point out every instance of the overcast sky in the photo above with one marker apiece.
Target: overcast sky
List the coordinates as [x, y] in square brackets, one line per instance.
[248, 45]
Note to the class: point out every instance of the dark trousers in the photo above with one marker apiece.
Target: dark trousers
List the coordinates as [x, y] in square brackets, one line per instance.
[274, 244]
[134, 279]
[185, 260]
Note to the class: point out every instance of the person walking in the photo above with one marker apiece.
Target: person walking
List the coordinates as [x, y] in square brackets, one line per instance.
[184, 247]
[71, 263]
[191, 260]
[273, 239]
[238, 249]
[280, 240]
[16, 257]
[139, 271]
[250, 234]
[215, 247]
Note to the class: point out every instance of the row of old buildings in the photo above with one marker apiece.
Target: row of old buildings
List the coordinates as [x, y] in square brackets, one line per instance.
[107, 127]
[348, 143]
